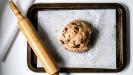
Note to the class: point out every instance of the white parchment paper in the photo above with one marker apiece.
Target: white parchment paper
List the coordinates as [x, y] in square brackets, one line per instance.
[103, 52]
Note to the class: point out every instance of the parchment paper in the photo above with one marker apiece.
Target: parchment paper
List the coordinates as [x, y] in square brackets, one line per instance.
[103, 52]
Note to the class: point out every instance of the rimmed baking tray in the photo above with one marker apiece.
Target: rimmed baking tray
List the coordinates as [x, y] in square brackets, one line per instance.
[120, 33]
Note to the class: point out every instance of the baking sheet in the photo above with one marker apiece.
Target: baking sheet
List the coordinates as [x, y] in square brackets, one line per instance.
[101, 55]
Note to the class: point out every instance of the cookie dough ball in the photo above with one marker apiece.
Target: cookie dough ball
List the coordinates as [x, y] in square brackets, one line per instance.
[76, 36]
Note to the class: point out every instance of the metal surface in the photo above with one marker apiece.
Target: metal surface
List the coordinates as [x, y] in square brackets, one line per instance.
[121, 45]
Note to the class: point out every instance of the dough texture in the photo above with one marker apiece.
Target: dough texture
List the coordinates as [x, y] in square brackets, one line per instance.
[77, 36]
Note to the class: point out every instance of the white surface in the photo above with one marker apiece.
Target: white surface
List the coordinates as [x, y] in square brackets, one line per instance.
[5, 41]
[9, 27]
[101, 55]
[16, 61]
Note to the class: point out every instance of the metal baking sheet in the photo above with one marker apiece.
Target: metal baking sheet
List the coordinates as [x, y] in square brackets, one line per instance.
[120, 22]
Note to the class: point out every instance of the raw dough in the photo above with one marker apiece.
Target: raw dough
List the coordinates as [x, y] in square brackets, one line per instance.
[77, 36]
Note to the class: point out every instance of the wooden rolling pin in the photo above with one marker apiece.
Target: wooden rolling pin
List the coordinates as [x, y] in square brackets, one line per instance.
[35, 41]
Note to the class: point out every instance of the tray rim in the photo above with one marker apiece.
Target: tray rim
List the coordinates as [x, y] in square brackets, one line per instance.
[121, 13]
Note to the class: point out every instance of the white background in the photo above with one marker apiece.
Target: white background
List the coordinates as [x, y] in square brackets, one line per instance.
[16, 61]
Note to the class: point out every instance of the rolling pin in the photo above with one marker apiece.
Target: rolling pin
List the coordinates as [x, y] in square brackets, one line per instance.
[35, 41]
